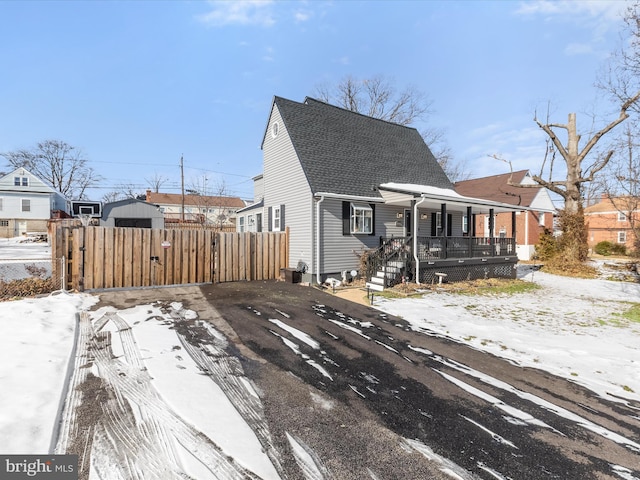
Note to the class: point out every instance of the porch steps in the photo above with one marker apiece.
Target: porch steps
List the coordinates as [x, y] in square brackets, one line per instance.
[376, 283]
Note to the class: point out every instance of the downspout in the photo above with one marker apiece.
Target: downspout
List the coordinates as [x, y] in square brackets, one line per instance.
[318, 279]
[416, 220]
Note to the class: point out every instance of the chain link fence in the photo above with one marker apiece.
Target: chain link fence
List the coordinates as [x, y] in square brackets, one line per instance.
[26, 277]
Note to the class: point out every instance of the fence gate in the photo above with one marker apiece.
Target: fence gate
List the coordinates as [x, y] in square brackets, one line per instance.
[108, 257]
[250, 255]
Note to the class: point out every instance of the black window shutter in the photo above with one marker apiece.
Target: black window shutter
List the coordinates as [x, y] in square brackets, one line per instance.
[282, 218]
[269, 219]
[449, 224]
[434, 224]
[373, 219]
[346, 220]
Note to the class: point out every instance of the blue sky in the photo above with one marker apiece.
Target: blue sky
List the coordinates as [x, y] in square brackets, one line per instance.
[137, 84]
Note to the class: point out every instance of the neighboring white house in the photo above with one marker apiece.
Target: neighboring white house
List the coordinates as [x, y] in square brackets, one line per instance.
[27, 203]
[201, 209]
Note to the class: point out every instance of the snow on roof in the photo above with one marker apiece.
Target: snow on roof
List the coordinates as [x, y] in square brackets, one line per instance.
[447, 195]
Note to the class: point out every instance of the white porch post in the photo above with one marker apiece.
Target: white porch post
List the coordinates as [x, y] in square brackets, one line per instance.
[415, 238]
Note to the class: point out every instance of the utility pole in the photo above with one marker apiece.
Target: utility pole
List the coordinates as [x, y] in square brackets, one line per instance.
[182, 182]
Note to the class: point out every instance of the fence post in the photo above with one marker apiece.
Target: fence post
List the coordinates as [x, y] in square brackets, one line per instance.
[63, 276]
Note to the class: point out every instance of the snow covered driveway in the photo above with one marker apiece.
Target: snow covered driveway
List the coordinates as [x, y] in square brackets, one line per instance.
[142, 401]
[272, 380]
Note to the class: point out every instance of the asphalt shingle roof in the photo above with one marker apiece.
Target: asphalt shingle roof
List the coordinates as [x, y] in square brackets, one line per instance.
[197, 200]
[348, 153]
[497, 189]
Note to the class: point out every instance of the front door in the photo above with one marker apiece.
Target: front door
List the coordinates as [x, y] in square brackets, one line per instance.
[20, 228]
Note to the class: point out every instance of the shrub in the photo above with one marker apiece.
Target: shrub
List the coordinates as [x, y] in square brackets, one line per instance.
[619, 249]
[603, 248]
[547, 246]
[609, 248]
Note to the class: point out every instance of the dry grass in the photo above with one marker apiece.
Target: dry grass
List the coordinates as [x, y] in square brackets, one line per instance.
[471, 287]
[567, 269]
[27, 287]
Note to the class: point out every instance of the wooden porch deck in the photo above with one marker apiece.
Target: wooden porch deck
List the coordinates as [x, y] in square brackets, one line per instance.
[458, 258]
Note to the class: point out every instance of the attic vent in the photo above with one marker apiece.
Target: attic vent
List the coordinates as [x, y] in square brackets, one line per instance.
[274, 129]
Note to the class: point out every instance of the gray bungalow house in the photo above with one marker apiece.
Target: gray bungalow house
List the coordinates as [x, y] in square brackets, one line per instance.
[351, 187]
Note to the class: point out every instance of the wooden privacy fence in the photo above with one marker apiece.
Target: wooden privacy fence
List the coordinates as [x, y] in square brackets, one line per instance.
[108, 257]
[251, 255]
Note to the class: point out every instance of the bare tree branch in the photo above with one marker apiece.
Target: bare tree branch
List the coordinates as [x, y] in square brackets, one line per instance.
[56, 162]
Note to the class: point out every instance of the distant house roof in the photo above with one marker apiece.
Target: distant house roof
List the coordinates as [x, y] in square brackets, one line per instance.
[347, 153]
[606, 204]
[497, 189]
[36, 186]
[253, 206]
[127, 201]
[195, 200]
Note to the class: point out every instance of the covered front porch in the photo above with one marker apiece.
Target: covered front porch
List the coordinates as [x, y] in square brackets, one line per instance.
[450, 252]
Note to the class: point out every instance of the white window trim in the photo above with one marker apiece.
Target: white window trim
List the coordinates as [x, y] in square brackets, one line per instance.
[22, 181]
[22, 200]
[465, 224]
[241, 223]
[360, 210]
[275, 227]
[622, 237]
[622, 217]
[541, 218]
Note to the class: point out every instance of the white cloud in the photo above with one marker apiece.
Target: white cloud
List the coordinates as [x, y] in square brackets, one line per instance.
[302, 15]
[269, 54]
[598, 17]
[239, 12]
[523, 146]
[603, 10]
[578, 49]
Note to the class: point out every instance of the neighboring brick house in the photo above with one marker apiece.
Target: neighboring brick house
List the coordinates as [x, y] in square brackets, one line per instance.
[613, 220]
[201, 209]
[530, 223]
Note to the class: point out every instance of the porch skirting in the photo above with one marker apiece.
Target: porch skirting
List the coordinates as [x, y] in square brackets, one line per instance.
[458, 270]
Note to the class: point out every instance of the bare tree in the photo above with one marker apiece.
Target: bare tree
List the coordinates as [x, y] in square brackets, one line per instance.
[123, 191]
[56, 162]
[156, 181]
[577, 173]
[621, 78]
[573, 244]
[378, 97]
[211, 200]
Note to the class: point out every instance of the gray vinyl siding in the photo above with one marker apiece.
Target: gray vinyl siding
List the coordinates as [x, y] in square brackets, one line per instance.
[285, 184]
[39, 208]
[258, 188]
[340, 252]
[387, 222]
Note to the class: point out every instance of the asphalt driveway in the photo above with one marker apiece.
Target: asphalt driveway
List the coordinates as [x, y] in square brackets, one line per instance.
[369, 398]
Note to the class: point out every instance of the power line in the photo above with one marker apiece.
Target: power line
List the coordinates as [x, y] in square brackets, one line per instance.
[174, 165]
